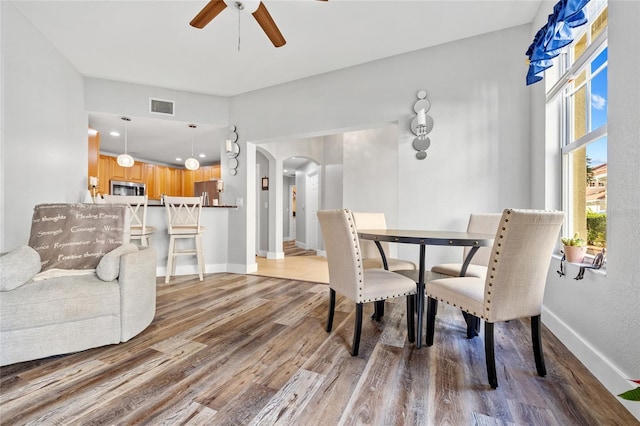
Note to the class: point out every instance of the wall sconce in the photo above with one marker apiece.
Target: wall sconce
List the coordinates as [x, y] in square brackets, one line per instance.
[232, 150]
[265, 183]
[421, 125]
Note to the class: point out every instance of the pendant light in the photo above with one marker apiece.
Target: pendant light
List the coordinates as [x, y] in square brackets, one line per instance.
[125, 160]
[192, 163]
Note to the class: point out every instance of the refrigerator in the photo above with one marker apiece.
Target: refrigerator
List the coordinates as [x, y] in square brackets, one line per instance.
[210, 190]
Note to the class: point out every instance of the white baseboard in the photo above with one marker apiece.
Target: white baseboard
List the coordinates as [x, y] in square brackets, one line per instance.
[192, 269]
[322, 253]
[301, 245]
[607, 373]
[275, 255]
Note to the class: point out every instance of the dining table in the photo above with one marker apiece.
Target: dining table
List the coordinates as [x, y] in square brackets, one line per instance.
[425, 238]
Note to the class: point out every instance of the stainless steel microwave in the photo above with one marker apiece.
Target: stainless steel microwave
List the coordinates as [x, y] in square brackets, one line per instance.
[119, 187]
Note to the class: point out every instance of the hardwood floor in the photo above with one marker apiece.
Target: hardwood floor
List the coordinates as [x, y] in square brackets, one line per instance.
[290, 249]
[245, 349]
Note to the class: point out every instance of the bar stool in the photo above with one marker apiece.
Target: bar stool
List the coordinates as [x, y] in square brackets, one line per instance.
[183, 222]
[138, 213]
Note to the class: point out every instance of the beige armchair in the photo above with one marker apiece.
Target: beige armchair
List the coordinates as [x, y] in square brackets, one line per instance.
[348, 276]
[481, 223]
[514, 286]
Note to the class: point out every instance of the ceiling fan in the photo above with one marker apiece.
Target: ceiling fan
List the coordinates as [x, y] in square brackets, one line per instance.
[257, 9]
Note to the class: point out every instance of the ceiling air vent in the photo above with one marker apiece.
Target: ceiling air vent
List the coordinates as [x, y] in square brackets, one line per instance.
[159, 106]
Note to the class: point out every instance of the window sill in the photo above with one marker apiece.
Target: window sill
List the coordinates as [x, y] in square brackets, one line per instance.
[602, 271]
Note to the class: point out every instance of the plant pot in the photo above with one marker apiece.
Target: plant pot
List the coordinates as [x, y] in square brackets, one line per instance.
[575, 254]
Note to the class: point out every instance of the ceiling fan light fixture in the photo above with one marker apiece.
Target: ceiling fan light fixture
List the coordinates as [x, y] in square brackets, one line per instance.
[246, 6]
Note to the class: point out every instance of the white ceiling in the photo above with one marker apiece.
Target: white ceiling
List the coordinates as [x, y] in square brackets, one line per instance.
[151, 42]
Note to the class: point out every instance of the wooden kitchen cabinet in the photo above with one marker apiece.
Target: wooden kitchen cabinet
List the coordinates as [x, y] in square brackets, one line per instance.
[174, 182]
[207, 173]
[134, 173]
[104, 174]
[188, 179]
[161, 173]
[150, 181]
[94, 154]
[158, 179]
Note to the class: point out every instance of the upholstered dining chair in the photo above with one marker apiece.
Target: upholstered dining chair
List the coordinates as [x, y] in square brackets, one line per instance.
[371, 257]
[370, 253]
[348, 276]
[138, 213]
[183, 222]
[514, 285]
[480, 223]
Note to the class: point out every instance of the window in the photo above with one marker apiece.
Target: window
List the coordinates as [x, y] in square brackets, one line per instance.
[579, 97]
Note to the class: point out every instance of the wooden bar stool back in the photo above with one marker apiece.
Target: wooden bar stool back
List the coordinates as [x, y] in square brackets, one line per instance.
[183, 222]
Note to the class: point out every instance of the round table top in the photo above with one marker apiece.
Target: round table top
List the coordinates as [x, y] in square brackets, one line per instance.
[426, 237]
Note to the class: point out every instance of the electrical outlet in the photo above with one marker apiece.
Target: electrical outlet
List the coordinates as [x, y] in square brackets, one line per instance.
[239, 202]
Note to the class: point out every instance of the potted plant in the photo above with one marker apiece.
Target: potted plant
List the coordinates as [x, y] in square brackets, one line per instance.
[574, 248]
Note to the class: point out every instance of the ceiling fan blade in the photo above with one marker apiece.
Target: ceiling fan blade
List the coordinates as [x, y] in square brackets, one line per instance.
[210, 11]
[269, 26]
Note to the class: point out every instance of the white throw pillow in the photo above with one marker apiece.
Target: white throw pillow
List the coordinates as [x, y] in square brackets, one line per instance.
[18, 266]
[109, 267]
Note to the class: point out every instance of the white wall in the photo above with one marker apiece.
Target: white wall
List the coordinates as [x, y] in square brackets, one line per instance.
[287, 181]
[44, 141]
[262, 245]
[332, 170]
[597, 317]
[370, 171]
[480, 143]
[130, 99]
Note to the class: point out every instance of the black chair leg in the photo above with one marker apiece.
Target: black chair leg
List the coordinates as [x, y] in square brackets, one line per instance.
[536, 337]
[332, 307]
[379, 310]
[357, 330]
[473, 324]
[432, 309]
[489, 354]
[411, 307]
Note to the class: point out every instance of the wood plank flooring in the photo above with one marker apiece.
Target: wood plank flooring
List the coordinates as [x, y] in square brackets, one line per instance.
[252, 350]
[290, 249]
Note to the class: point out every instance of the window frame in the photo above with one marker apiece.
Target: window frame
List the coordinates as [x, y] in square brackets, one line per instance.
[559, 94]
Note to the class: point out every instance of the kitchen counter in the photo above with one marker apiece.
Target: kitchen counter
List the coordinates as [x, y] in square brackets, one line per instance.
[156, 203]
[215, 241]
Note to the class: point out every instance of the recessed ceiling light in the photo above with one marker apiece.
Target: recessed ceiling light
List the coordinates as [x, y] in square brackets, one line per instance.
[114, 133]
[178, 159]
[201, 155]
[286, 171]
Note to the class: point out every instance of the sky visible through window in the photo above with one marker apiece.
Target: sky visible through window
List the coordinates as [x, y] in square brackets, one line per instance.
[597, 151]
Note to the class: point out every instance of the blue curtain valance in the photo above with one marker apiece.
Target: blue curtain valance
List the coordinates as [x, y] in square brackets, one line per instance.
[553, 36]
